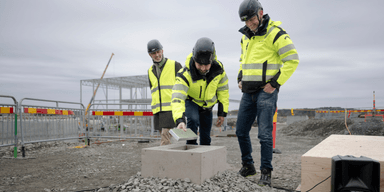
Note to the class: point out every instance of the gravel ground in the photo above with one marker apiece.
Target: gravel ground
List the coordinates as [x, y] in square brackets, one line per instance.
[115, 165]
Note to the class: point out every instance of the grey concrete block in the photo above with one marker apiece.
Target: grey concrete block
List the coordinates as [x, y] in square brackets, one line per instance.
[180, 161]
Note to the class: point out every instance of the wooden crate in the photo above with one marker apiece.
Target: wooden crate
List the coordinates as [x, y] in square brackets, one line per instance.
[316, 164]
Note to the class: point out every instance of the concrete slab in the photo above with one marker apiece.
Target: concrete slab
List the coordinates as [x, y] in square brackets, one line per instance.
[180, 161]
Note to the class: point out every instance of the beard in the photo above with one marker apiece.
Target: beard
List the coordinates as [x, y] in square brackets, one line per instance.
[202, 72]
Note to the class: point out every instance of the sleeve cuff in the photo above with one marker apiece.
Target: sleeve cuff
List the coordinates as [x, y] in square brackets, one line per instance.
[221, 114]
[274, 84]
[180, 120]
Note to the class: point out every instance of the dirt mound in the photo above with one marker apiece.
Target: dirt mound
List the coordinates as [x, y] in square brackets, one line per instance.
[326, 127]
[372, 127]
[316, 127]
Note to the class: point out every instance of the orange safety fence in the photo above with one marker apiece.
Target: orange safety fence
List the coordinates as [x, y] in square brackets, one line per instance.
[48, 111]
[350, 111]
[6, 110]
[122, 113]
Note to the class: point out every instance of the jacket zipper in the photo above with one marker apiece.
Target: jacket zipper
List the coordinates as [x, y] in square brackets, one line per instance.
[158, 84]
[264, 74]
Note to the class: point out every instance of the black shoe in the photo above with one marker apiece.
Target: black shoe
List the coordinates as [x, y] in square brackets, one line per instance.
[247, 170]
[265, 178]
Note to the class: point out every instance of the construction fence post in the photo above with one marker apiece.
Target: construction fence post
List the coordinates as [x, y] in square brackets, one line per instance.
[15, 148]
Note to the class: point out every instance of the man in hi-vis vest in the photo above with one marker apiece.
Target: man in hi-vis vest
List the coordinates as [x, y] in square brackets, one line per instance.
[268, 59]
[161, 77]
[199, 86]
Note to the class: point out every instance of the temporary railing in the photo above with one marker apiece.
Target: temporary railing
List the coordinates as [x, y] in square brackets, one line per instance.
[50, 123]
[340, 113]
[8, 124]
[120, 123]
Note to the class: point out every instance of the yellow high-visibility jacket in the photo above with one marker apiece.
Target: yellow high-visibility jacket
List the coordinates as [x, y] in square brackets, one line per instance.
[268, 56]
[205, 91]
[161, 89]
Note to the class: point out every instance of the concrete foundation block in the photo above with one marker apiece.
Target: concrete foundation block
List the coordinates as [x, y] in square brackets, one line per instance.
[180, 161]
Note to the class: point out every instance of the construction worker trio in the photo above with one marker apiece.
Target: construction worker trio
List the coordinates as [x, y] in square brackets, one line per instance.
[184, 97]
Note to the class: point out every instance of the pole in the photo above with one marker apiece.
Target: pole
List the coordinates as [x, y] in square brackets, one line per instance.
[277, 151]
[90, 102]
[15, 148]
[374, 105]
[94, 92]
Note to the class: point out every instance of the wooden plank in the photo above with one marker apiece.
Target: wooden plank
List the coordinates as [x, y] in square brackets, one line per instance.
[355, 145]
[316, 164]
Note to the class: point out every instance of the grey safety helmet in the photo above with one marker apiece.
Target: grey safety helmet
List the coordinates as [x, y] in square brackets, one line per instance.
[204, 51]
[154, 45]
[248, 9]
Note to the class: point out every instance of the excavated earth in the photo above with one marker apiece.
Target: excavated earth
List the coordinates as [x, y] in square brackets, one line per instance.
[115, 165]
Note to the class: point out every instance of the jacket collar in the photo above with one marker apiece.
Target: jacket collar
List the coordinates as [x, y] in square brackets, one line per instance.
[213, 71]
[161, 63]
[260, 32]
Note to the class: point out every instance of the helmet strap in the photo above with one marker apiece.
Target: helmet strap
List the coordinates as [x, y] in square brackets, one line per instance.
[259, 19]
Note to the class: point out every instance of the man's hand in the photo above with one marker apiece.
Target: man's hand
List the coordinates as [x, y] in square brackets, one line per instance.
[182, 126]
[220, 121]
[240, 85]
[269, 89]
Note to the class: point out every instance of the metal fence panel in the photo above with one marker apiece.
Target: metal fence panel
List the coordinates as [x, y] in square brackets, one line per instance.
[46, 123]
[8, 123]
[121, 123]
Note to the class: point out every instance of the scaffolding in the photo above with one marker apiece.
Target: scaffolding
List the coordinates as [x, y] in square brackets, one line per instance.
[138, 87]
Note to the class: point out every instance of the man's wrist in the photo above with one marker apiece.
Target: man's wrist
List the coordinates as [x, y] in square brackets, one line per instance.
[180, 120]
[274, 84]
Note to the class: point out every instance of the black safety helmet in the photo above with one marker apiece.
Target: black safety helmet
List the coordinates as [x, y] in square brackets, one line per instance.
[154, 45]
[204, 51]
[248, 9]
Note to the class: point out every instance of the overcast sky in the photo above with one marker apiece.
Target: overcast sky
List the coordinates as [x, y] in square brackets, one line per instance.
[47, 47]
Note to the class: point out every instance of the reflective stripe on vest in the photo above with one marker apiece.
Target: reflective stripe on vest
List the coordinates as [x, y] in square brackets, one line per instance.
[260, 66]
[161, 87]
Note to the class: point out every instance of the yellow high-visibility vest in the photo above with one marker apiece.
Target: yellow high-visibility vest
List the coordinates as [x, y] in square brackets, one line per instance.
[161, 90]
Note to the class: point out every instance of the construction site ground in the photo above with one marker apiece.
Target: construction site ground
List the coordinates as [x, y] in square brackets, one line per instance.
[110, 165]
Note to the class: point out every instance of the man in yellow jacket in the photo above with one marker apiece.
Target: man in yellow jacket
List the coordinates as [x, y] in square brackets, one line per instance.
[162, 75]
[199, 86]
[268, 59]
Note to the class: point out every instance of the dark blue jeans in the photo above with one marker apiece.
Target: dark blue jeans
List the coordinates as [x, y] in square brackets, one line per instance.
[198, 118]
[263, 106]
